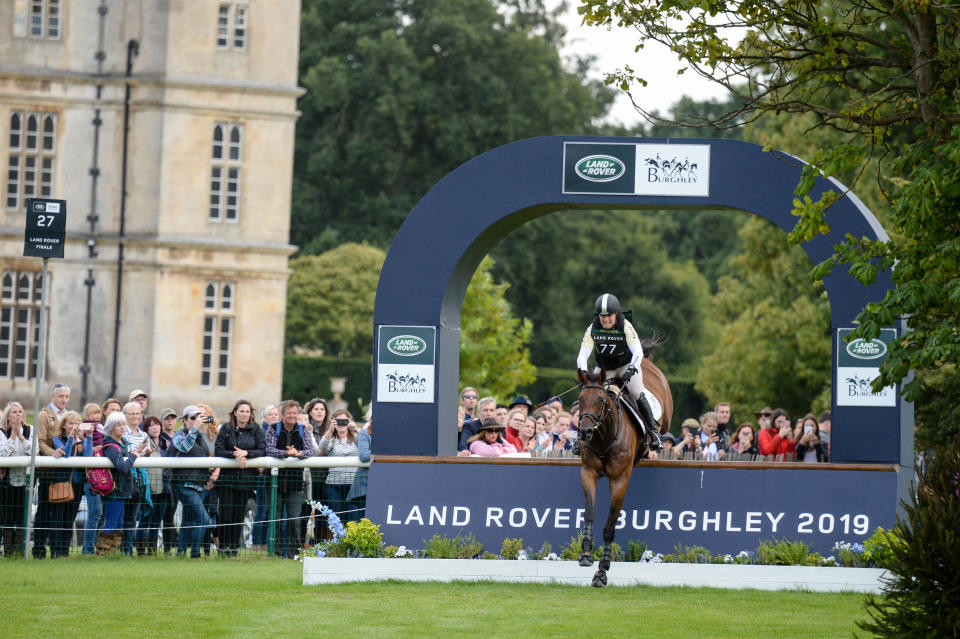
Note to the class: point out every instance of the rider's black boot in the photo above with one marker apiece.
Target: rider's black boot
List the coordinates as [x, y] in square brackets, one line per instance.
[647, 414]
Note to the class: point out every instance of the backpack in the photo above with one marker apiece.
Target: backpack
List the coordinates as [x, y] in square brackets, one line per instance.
[101, 479]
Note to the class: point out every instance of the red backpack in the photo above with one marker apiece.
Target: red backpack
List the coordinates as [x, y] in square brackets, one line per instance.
[101, 479]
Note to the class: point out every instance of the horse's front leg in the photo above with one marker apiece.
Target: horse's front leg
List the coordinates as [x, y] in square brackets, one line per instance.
[618, 490]
[588, 480]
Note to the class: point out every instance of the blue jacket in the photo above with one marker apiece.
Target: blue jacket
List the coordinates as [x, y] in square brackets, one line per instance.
[359, 486]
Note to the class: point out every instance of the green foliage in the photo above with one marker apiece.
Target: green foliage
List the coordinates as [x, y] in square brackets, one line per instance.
[307, 376]
[363, 539]
[921, 598]
[635, 550]
[689, 555]
[573, 550]
[401, 93]
[390, 551]
[511, 548]
[545, 550]
[774, 345]
[494, 353]
[783, 553]
[330, 300]
[937, 409]
[460, 547]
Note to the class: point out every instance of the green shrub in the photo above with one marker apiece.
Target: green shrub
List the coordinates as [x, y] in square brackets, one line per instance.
[878, 548]
[363, 539]
[390, 551]
[690, 555]
[921, 596]
[783, 553]
[545, 550]
[635, 550]
[573, 550]
[460, 547]
[511, 548]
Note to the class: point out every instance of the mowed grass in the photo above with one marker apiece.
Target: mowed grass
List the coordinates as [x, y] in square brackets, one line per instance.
[181, 599]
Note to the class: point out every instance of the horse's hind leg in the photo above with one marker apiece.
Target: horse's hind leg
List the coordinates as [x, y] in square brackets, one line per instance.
[618, 490]
[588, 479]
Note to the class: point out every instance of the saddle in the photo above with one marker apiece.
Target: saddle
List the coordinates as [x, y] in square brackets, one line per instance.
[630, 403]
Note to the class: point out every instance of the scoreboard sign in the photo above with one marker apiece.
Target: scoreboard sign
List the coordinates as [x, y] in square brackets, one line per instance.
[46, 228]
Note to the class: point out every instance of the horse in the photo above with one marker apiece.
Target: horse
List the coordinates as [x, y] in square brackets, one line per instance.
[613, 450]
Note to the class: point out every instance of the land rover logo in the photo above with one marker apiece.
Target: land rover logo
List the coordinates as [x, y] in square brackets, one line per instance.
[867, 349]
[406, 345]
[600, 168]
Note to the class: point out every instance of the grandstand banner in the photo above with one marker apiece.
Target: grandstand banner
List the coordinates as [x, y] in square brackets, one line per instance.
[858, 364]
[725, 510]
[636, 169]
[405, 364]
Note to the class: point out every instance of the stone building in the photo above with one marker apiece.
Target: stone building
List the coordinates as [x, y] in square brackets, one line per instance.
[197, 250]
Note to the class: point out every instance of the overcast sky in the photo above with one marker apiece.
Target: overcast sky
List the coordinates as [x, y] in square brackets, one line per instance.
[614, 48]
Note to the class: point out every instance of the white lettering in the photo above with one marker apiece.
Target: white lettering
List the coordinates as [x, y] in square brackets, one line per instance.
[687, 520]
[494, 514]
[564, 514]
[414, 515]
[663, 517]
[646, 520]
[440, 516]
[730, 527]
[458, 510]
[390, 519]
[715, 521]
[539, 520]
[773, 521]
[580, 512]
[622, 520]
[521, 521]
[753, 522]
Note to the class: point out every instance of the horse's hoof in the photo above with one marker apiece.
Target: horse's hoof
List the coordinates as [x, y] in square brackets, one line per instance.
[599, 579]
[586, 559]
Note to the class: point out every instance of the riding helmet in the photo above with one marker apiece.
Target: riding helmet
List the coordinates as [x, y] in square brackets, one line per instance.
[607, 304]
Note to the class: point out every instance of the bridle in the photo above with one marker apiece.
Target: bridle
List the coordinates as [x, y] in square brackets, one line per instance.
[597, 420]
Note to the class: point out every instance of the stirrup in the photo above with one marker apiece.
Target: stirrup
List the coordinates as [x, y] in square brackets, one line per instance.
[655, 442]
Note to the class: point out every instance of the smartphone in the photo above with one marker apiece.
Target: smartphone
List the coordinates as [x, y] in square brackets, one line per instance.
[808, 429]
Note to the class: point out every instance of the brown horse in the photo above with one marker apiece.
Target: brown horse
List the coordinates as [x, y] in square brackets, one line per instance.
[612, 450]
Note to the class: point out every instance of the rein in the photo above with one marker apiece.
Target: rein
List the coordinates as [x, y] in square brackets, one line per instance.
[598, 420]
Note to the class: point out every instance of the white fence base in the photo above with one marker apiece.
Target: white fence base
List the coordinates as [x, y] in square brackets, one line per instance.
[326, 570]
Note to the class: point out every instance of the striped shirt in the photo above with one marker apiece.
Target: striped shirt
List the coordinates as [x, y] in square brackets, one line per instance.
[335, 447]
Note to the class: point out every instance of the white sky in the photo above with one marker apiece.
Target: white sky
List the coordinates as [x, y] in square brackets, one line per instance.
[613, 48]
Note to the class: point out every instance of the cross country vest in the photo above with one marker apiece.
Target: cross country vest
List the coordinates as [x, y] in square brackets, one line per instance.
[610, 345]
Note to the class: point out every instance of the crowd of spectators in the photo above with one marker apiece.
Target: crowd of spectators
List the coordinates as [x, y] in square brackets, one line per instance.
[136, 514]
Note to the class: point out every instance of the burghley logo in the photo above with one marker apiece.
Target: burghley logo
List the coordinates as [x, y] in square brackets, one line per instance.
[867, 349]
[600, 168]
[671, 171]
[412, 383]
[860, 387]
[406, 345]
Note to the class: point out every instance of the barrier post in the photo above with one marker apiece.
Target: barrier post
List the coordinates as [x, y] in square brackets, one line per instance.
[272, 525]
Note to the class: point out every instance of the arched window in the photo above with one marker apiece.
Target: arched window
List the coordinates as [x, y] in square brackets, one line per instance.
[225, 173]
[217, 340]
[232, 25]
[20, 296]
[31, 157]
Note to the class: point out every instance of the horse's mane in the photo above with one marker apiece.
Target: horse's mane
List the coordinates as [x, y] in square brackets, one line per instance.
[593, 378]
[653, 342]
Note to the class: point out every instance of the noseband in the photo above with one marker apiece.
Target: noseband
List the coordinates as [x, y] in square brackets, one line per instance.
[595, 419]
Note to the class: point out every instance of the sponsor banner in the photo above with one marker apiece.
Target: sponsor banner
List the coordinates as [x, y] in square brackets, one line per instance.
[636, 169]
[405, 364]
[726, 510]
[858, 364]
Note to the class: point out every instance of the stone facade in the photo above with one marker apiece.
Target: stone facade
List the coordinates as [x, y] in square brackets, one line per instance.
[204, 274]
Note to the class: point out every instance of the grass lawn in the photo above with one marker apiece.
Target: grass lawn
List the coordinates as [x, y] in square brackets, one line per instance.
[178, 598]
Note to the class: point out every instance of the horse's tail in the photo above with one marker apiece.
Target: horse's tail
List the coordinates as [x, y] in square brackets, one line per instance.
[653, 342]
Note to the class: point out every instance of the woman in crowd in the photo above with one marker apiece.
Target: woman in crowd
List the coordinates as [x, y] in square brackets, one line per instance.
[515, 422]
[241, 439]
[168, 426]
[527, 437]
[136, 503]
[110, 405]
[316, 422]
[118, 452]
[340, 440]
[149, 530]
[357, 497]
[269, 416]
[94, 520]
[742, 441]
[68, 439]
[209, 428]
[778, 439]
[489, 442]
[809, 447]
[14, 442]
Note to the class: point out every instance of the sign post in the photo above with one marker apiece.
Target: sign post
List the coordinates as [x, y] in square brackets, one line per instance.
[44, 237]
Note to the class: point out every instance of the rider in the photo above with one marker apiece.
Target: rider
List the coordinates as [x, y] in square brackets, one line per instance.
[617, 350]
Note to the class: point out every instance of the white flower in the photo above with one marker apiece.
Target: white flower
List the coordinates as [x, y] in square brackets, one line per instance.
[743, 554]
[402, 551]
[552, 557]
[728, 559]
[842, 545]
[831, 560]
[658, 558]
[522, 555]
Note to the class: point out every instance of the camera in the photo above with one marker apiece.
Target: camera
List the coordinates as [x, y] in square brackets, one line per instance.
[208, 420]
[342, 421]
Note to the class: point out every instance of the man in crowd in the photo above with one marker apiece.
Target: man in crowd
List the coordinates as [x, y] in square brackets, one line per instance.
[47, 422]
[823, 421]
[713, 445]
[288, 441]
[140, 396]
[725, 423]
[468, 399]
[486, 407]
[500, 412]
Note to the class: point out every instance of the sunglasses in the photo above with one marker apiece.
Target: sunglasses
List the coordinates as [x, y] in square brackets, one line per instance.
[469, 396]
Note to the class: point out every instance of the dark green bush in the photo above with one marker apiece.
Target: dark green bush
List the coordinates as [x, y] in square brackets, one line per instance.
[460, 547]
[921, 597]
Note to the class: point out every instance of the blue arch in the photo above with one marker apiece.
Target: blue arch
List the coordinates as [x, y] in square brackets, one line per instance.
[443, 240]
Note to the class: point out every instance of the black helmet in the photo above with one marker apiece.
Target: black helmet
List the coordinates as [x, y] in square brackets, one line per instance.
[606, 304]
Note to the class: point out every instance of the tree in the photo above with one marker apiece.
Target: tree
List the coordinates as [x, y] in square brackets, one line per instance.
[330, 300]
[881, 72]
[494, 353]
[401, 92]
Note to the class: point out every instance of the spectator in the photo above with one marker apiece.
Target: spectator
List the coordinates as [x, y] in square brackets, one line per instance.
[528, 438]
[140, 396]
[763, 420]
[743, 441]
[713, 446]
[564, 434]
[501, 414]
[555, 404]
[14, 442]
[461, 418]
[668, 441]
[575, 414]
[209, 428]
[47, 422]
[94, 519]
[269, 417]
[486, 407]
[168, 421]
[68, 438]
[488, 442]
[515, 422]
[778, 439]
[149, 530]
[521, 402]
[340, 440]
[468, 400]
[138, 498]
[240, 439]
[810, 448]
[823, 425]
[118, 452]
[689, 446]
[725, 421]
[357, 497]
[91, 415]
[316, 421]
[540, 418]
[283, 441]
[189, 484]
